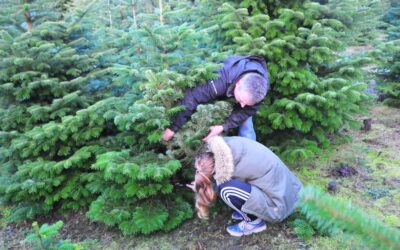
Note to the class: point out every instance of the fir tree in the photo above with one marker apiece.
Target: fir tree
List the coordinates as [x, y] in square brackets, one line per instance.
[310, 95]
[46, 123]
[141, 195]
[392, 16]
[333, 215]
[70, 152]
[84, 130]
[361, 19]
[388, 54]
[21, 16]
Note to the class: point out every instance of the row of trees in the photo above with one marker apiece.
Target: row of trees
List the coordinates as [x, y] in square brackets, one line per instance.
[87, 90]
[389, 54]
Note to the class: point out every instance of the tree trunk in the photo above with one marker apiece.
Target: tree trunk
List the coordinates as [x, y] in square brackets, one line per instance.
[161, 12]
[109, 12]
[134, 14]
[28, 20]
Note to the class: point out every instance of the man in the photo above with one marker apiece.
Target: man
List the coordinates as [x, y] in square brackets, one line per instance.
[243, 77]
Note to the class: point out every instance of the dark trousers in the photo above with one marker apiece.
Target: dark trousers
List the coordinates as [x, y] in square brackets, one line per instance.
[235, 193]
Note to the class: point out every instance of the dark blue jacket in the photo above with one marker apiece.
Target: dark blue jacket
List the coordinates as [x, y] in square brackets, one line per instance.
[221, 88]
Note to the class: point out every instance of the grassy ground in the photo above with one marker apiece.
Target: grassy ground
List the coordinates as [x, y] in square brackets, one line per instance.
[371, 179]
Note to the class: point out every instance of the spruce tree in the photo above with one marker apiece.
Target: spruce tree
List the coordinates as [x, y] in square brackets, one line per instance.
[361, 19]
[23, 15]
[333, 215]
[85, 129]
[46, 128]
[74, 132]
[392, 16]
[313, 91]
[388, 54]
[142, 182]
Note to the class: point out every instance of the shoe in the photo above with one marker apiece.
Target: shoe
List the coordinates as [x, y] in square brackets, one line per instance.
[246, 228]
[237, 216]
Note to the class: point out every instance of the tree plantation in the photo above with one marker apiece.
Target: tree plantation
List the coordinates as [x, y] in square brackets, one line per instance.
[87, 88]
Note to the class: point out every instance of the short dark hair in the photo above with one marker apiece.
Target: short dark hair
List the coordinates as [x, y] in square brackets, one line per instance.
[254, 84]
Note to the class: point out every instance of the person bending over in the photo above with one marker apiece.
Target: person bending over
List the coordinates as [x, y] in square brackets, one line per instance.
[249, 178]
[244, 78]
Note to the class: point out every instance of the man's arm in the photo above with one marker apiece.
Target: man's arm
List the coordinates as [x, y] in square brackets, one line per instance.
[239, 115]
[195, 96]
[192, 98]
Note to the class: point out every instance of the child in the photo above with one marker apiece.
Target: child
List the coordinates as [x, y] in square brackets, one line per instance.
[249, 178]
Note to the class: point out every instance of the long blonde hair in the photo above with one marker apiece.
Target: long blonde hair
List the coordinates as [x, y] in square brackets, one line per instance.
[205, 194]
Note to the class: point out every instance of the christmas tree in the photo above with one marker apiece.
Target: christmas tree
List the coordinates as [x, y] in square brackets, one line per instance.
[313, 91]
[86, 97]
[388, 54]
[47, 123]
[392, 16]
[142, 182]
[334, 215]
[21, 16]
[361, 20]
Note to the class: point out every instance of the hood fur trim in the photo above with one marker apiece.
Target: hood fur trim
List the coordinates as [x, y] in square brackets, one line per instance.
[223, 159]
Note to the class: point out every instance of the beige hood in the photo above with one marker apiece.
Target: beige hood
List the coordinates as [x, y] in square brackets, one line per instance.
[223, 159]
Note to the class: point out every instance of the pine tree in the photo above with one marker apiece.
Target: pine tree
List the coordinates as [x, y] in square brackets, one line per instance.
[388, 54]
[19, 16]
[69, 135]
[47, 124]
[333, 215]
[392, 16]
[142, 191]
[361, 19]
[312, 92]
[85, 129]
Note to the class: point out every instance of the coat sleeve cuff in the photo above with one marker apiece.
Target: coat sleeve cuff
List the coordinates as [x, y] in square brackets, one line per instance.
[226, 127]
[174, 128]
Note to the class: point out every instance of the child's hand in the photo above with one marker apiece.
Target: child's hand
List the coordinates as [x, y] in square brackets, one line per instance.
[168, 134]
[191, 186]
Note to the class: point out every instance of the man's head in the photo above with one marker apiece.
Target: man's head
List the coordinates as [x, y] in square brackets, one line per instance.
[250, 89]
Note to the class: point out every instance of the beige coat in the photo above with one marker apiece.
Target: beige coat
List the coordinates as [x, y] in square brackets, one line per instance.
[275, 188]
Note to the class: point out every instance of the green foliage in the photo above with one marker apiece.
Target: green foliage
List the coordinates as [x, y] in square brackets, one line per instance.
[14, 14]
[392, 17]
[194, 130]
[85, 98]
[5, 213]
[50, 125]
[388, 54]
[303, 230]
[377, 193]
[361, 19]
[140, 195]
[334, 215]
[142, 198]
[45, 238]
[313, 91]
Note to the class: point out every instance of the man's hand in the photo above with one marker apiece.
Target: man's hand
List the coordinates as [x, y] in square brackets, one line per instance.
[214, 131]
[168, 134]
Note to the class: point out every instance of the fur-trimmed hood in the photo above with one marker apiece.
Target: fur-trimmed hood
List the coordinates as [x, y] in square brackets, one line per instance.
[223, 166]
